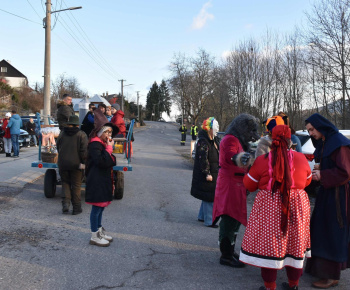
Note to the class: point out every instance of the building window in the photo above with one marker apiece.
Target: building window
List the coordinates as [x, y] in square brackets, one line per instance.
[3, 69]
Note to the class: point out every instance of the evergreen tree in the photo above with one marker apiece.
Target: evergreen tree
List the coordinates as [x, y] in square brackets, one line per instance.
[164, 102]
[152, 102]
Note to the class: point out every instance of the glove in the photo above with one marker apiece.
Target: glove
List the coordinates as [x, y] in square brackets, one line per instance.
[245, 158]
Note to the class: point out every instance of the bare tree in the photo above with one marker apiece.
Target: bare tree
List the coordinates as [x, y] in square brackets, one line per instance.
[330, 36]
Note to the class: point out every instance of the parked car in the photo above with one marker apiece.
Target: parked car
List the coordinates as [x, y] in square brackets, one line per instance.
[308, 150]
[23, 139]
[25, 119]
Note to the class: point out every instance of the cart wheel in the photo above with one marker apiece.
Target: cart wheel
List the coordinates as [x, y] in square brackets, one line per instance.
[50, 183]
[119, 184]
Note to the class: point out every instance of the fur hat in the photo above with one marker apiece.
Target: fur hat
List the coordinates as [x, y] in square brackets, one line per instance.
[101, 120]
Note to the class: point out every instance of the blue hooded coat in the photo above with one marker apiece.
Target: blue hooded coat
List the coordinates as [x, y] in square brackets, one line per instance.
[15, 124]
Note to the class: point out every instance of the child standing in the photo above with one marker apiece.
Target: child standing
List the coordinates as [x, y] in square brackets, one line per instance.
[99, 176]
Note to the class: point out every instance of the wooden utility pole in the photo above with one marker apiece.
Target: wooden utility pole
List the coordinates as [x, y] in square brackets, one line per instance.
[138, 106]
[47, 63]
[122, 101]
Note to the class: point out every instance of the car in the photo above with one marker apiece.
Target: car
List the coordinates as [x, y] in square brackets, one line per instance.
[23, 139]
[307, 148]
[25, 119]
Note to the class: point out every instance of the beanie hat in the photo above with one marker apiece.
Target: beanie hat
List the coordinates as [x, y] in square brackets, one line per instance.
[103, 129]
[273, 122]
[116, 106]
[8, 114]
[101, 120]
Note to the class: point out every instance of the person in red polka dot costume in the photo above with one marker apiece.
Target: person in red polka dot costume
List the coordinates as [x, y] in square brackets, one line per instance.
[278, 230]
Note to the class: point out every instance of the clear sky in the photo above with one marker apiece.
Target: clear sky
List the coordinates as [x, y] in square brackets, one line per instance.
[108, 40]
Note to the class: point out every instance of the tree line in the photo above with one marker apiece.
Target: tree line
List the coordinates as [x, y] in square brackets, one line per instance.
[300, 73]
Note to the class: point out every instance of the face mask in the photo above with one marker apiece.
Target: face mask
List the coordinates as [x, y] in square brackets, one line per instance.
[215, 127]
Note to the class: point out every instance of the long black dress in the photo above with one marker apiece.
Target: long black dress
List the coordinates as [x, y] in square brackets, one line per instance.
[331, 216]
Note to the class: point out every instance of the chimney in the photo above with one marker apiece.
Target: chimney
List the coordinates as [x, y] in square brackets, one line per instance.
[103, 94]
[107, 94]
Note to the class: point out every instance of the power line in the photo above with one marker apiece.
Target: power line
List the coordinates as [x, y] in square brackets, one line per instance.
[20, 16]
[34, 10]
[90, 43]
[82, 46]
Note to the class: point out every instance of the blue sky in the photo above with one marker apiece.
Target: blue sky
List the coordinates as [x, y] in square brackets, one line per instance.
[134, 39]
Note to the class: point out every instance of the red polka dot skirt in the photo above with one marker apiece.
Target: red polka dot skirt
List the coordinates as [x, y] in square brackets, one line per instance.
[264, 244]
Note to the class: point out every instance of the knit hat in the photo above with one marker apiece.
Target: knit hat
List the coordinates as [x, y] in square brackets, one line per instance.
[116, 106]
[8, 114]
[101, 120]
[272, 122]
[103, 129]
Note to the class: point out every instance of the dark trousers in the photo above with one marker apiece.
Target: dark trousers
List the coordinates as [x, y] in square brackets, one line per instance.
[183, 138]
[229, 228]
[71, 186]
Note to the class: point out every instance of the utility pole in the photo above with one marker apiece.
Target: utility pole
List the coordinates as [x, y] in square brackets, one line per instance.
[154, 112]
[138, 107]
[47, 63]
[122, 101]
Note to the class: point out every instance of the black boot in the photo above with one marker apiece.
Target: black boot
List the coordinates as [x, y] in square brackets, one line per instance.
[228, 255]
[8, 154]
[286, 286]
[77, 209]
[65, 207]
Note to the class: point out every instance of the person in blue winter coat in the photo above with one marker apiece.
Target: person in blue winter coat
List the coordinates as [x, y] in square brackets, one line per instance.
[15, 125]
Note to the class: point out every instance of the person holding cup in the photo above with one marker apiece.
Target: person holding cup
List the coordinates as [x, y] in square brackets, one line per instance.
[331, 216]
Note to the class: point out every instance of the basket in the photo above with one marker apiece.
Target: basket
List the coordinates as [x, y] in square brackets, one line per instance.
[118, 148]
[49, 157]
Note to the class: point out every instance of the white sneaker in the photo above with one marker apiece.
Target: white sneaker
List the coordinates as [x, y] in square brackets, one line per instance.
[28, 146]
[103, 234]
[96, 239]
[36, 145]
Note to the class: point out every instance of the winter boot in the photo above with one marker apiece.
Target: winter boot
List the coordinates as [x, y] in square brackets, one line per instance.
[65, 207]
[96, 239]
[77, 209]
[103, 234]
[227, 257]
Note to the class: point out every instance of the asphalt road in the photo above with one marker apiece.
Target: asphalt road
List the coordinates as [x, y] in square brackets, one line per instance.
[158, 242]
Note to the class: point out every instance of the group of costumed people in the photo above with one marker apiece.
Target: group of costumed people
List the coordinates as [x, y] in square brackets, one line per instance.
[279, 233]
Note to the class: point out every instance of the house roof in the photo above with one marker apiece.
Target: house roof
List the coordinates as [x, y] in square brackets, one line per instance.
[98, 99]
[11, 70]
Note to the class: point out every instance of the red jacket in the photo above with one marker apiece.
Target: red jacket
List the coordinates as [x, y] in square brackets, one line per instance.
[7, 131]
[230, 193]
[118, 120]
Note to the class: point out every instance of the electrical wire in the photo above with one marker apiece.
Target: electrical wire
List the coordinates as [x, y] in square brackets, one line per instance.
[75, 38]
[34, 10]
[20, 16]
[90, 43]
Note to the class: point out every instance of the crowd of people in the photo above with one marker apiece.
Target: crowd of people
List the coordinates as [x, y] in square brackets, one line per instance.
[281, 231]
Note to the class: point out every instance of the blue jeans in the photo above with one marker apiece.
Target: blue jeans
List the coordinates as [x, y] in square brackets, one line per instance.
[15, 144]
[34, 139]
[206, 213]
[96, 218]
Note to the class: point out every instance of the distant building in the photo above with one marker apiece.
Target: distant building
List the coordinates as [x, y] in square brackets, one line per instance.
[12, 76]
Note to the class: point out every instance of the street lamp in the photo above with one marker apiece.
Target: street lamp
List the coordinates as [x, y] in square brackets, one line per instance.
[122, 89]
[47, 62]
